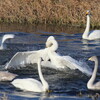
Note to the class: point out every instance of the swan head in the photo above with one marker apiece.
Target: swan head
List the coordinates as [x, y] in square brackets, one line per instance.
[51, 43]
[93, 58]
[88, 12]
[50, 38]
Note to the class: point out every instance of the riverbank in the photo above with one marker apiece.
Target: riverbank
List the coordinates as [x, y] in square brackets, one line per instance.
[55, 12]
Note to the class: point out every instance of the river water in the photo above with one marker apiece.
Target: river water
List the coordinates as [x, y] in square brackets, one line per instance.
[69, 85]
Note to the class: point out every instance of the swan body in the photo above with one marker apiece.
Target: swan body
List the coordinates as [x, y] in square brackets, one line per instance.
[30, 84]
[91, 85]
[4, 38]
[57, 61]
[95, 34]
[7, 76]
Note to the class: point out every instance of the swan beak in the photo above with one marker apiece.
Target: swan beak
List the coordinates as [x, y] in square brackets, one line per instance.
[89, 59]
[49, 91]
[87, 13]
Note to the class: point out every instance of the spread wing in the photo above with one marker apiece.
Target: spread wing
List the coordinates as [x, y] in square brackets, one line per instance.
[69, 62]
[74, 64]
[22, 58]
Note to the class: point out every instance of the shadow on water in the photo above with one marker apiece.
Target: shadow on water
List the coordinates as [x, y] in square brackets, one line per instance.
[66, 84]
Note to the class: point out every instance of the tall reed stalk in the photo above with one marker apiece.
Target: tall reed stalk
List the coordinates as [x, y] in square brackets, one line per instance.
[58, 12]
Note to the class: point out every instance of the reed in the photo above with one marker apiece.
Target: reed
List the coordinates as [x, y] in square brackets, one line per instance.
[57, 12]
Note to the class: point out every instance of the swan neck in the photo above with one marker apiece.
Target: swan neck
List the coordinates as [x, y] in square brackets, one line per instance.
[87, 29]
[1, 47]
[3, 40]
[45, 84]
[92, 79]
[54, 47]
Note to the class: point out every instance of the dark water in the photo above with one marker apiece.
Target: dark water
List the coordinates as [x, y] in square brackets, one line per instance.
[69, 85]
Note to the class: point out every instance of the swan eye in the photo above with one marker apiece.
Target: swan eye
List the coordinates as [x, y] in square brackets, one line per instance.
[42, 59]
[49, 60]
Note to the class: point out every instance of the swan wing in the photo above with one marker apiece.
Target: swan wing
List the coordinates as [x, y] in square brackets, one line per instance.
[74, 64]
[20, 59]
[62, 61]
[69, 62]
[28, 84]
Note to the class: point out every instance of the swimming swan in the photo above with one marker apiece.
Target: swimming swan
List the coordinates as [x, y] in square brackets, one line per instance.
[57, 61]
[4, 38]
[91, 85]
[7, 76]
[31, 84]
[95, 34]
[31, 57]
[64, 61]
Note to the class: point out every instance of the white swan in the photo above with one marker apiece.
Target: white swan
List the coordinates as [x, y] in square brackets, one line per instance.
[64, 61]
[4, 38]
[30, 84]
[31, 57]
[7, 76]
[91, 85]
[95, 34]
[57, 61]
[20, 59]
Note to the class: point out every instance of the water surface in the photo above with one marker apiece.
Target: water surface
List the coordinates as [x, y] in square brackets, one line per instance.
[69, 85]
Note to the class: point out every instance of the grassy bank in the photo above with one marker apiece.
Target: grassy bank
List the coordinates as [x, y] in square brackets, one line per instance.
[60, 12]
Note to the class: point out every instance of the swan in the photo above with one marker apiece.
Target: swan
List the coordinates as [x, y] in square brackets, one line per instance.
[31, 57]
[59, 61]
[31, 84]
[56, 61]
[91, 85]
[95, 34]
[4, 38]
[7, 76]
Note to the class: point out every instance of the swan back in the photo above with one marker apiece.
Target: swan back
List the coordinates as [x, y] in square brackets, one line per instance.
[7, 76]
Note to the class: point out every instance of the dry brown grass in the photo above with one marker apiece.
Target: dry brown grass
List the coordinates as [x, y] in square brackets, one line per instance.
[49, 11]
